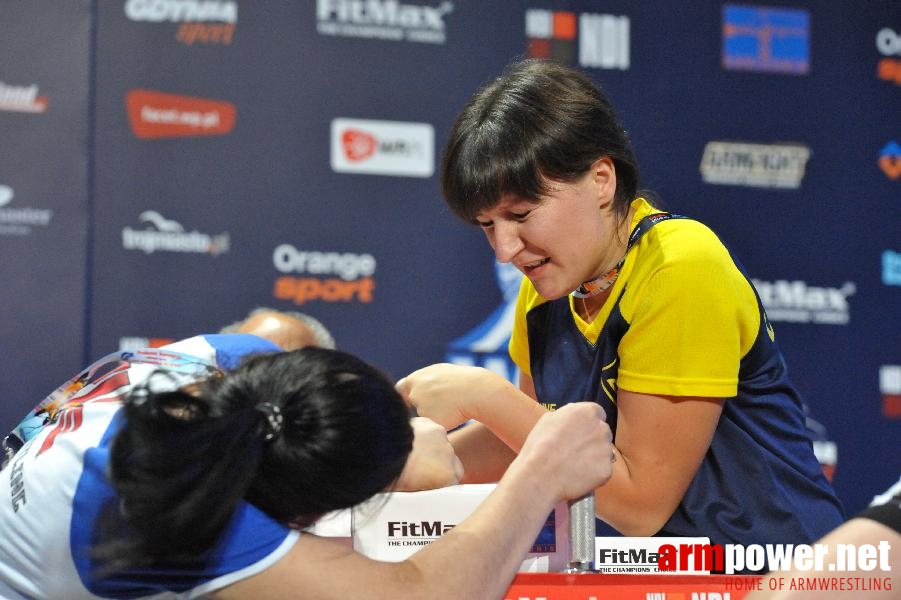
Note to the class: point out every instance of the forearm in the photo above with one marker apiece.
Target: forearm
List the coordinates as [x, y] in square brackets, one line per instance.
[509, 413]
[488, 546]
[485, 458]
[502, 421]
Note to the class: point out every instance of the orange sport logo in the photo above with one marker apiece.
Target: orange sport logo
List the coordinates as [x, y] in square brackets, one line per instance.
[323, 276]
[161, 115]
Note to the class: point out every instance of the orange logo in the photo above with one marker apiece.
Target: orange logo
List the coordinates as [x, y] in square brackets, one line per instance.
[890, 160]
[889, 69]
[358, 145]
[160, 115]
[304, 289]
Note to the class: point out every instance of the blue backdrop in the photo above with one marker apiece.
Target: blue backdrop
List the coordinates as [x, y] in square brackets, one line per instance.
[169, 165]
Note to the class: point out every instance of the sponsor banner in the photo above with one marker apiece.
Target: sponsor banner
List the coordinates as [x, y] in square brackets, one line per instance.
[891, 267]
[352, 276]
[888, 43]
[383, 147]
[199, 21]
[890, 388]
[798, 302]
[22, 98]
[890, 160]
[593, 40]
[780, 165]
[642, 554]
[389, 20]
[165, 235]
[16, 220]
[767, 39]
[161, 115]
[391, 527]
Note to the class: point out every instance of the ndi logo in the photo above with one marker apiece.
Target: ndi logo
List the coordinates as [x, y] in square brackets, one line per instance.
[595, 40]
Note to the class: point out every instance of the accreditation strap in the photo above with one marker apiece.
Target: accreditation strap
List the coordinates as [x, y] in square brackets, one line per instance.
[647, 222]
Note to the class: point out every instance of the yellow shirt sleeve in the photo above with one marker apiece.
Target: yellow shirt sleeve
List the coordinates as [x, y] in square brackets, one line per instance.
[692, 317]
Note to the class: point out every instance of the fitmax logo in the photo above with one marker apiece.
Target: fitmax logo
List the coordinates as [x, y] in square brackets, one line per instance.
[410, 529]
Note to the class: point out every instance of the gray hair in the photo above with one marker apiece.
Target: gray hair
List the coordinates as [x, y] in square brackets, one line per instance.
[324, 338]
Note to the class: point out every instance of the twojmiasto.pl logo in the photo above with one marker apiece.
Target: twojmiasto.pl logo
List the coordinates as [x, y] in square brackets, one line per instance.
[336, 276]
[165, 235]
[199, 21]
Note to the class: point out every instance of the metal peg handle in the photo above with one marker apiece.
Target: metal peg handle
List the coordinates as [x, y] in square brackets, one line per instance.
[581, 534]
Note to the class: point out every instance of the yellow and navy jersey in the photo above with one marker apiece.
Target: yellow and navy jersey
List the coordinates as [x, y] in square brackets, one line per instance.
[683, 319]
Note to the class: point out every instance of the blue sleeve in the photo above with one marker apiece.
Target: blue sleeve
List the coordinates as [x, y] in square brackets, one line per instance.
[250, 537]
[232, 348]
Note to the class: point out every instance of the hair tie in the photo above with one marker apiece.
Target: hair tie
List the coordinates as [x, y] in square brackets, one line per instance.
[274, 419]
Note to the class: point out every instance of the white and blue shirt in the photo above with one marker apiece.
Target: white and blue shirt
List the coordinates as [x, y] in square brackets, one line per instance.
[54, 489]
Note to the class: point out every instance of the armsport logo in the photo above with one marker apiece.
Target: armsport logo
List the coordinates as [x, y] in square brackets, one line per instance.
[22, 98]
[382, 147]
[20, 221]
[164, 235]
[161, 115]
[199, 21]
[352, 276]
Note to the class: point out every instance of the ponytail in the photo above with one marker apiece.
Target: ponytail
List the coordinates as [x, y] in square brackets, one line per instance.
[298, 434]
[180, 470]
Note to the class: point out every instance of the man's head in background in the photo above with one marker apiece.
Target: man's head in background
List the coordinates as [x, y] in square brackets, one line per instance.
[288, 329]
